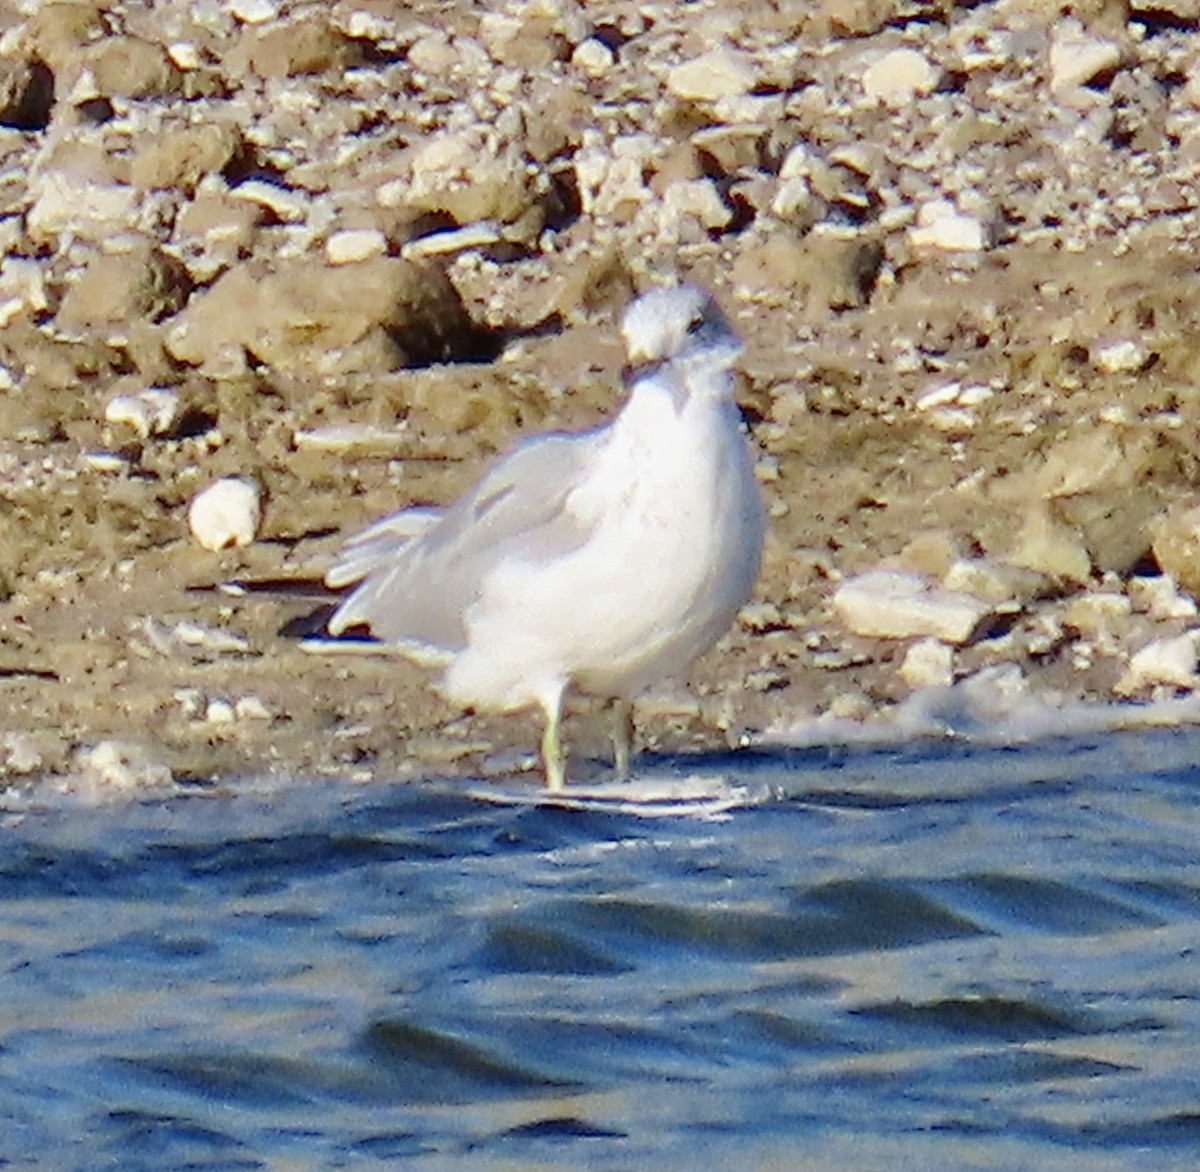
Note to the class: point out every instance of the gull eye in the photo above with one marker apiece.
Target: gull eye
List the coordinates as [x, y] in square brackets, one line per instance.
[696, 326]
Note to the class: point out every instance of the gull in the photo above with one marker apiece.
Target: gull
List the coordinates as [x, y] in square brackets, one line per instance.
[600, 561]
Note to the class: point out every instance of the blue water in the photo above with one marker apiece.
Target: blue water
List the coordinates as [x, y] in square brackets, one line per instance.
[930, 957]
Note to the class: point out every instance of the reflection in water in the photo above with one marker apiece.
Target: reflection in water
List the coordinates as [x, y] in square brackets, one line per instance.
[940, 956]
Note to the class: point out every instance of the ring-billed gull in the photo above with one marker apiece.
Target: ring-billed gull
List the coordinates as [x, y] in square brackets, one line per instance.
[602, 561]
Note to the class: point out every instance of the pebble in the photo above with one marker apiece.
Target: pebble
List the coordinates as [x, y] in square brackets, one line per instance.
[593, 57]
[1159, 598]
[1170, 661]
[291, 207]
[252, 11]
[891, 604]
[1175, 542]
[898, 76]
[149, 412]
[940, 225]
[720, 73]
[219, 711]
[928, 663]
[121, 765]
[1077, 58]
[228, 512]
[352, 245]
[1123, 356]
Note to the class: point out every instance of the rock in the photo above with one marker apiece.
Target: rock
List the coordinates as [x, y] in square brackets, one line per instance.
[64, 204]
[830, 271]
[121, 766]
[1170, 661]
[992, 581]
[612, 177]
[1159, 598]
[128, 67]
[355, 244]
[291, 207]
[22, 288]
[227, 512]
[940, 225]
[593, 57]
[694, 199]
[469, 179]
[1048, 546]
[219, 711]
[1175, 542]
[928, 663]
[1122, 356]
[896, 77]
[213, 231]
[252, 11]
[128, 285]
[1097, 613]
[307, 43]
[149, 412]
[1077, 58]
[719, 73]
[889, 604]
[305, 316]
[178, 157]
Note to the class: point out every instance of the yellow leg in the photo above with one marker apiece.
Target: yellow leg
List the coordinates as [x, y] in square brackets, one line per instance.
[554, 760]
[622, 735]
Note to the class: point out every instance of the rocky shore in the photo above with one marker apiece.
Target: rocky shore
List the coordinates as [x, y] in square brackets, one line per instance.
[342, 253]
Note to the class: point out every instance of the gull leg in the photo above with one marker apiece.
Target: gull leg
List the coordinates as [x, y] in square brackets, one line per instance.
[554, 760]
[622, 735]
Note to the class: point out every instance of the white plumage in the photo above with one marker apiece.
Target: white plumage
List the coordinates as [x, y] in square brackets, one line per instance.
[603, 560]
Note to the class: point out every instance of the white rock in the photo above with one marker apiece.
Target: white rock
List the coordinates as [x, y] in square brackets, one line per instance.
[251, 708]
[22, 288]
[185, 55]
[228, 512]
[149, 412]
[891, 604]
[795, 201]
[1077, 58]
[1122, 356]
[478, 235]
[612, 179]
[121, 765]
[940, 225]
[695, 199]
[393, 193]
[252, 11]
[349, 437]
[720, 73]
[928, 664]
[998, 583]
[219, 711]
[797, 163]
[64, 203]
[353, 245]
[593, 57]
[1169, 661]
[898, 76]
[292, 207]
[1159, 597]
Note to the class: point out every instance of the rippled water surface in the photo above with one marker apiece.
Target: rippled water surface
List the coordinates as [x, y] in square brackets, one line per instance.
[934, 957]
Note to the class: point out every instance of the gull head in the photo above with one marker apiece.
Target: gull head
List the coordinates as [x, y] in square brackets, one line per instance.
[682, 327]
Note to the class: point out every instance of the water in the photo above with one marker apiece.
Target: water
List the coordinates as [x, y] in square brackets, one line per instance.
[930, 957]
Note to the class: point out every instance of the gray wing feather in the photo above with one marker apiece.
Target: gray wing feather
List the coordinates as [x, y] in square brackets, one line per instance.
[420, 595]
[377, 545]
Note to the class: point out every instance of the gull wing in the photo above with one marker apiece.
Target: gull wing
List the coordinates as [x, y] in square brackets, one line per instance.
[374, 547]
[417, 588]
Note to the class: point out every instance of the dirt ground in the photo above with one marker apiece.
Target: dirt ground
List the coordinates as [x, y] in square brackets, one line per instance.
[1027, 404]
